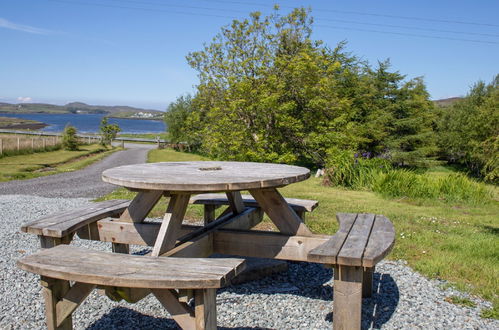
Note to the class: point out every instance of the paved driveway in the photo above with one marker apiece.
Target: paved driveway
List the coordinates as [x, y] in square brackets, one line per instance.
[82, 183]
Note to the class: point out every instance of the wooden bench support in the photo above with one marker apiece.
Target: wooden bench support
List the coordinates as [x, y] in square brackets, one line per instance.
[367, 282]
[347, 304]
[61, 265]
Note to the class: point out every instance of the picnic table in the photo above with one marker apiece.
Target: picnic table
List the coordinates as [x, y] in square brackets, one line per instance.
[363, 239]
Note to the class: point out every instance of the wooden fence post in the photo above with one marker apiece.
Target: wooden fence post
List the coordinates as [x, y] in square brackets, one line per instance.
[18, 143]
[32, 144]
[1, 147]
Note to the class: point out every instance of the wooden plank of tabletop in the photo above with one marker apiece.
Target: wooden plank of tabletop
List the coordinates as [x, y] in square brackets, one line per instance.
[208, 176]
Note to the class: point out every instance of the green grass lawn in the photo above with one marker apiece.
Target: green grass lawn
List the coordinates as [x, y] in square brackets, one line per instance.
[152, 136]
[458, 243]
[45, 163]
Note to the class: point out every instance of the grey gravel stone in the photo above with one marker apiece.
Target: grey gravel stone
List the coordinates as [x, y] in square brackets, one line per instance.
[300, 298]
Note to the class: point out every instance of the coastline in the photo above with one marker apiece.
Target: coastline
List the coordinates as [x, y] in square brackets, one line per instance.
[18, 123]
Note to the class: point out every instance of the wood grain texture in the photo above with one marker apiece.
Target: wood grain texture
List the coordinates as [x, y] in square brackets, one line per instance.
[299, 205]
[73, 298]
[205, 309]
[63, 223]
[362, 240]
[347, 297]
[170, 227]
[327, 252]
[281, 214]
[72, 263]
[53, 291]
[181, 312]
[235, 201]
[380, 242]
[209, 176]
[140, 206]
[352, 250]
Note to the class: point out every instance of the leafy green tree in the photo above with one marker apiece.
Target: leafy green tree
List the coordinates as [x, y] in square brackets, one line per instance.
[268, 92]
[469, 131]
[176, 120]
[108, 131]
[69, 138]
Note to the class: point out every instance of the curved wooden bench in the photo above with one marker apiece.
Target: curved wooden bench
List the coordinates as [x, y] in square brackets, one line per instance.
[88, 268]
[360, 243]
[59, 228]
[212, 201]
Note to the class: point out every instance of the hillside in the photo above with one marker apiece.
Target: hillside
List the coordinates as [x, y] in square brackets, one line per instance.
[82, 108]
[447, 102]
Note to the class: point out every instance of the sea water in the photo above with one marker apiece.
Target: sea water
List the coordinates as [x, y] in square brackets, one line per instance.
[89, 123]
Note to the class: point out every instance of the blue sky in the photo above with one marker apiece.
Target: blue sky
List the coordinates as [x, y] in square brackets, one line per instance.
[132, 52]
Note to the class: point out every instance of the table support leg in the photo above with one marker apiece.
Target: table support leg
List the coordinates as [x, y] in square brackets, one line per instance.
[347, 299]
[281, 214]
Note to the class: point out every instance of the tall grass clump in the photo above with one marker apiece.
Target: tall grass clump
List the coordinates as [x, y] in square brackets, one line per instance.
[450, 188]
[344, 168]
[359, 172]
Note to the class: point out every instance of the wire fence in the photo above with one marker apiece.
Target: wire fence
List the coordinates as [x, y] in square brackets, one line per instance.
[16, 144]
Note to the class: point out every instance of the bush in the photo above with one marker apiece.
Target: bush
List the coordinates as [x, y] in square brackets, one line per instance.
[356, 171]
[344, 168]
[108, 132]
[450, 188]
[69, 139]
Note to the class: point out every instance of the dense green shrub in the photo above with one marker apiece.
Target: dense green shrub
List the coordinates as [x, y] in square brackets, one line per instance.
[108, 131]
[456, 188]
[69, 138]
[468, 131]
[359, 171]
[353, 170]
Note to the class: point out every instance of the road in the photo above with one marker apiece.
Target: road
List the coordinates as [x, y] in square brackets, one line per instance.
[82, 183]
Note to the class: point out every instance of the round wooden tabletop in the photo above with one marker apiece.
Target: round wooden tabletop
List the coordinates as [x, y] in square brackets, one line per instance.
[204, 176]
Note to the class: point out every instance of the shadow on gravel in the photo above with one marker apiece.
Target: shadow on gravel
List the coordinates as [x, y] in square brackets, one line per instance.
[302, 279]
[314, 281]
[127, 319]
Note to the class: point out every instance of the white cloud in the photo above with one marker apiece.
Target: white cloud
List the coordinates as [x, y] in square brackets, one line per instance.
[24, 99]
[20, 27]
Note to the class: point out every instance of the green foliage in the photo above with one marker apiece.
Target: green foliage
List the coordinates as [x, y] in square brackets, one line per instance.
[469, 131]
[69, 138]
[270, 93]
[108, 131]
[344, 168]
[176, 120]
[490, 313]
[453, 188]
[463, 301]
[354, 171]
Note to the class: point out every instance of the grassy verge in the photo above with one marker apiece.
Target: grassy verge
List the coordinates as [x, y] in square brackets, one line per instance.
[52, 162]
[439, 239]
[162, 136]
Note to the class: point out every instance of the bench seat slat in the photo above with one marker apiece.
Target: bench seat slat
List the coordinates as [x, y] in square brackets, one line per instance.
[78, 264]
[327, 252]
[61, 224]
[303, 205]
[380, 243]
[352, 250]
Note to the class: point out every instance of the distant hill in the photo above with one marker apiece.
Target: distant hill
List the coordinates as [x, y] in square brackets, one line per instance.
[447, 102]
[82, 108]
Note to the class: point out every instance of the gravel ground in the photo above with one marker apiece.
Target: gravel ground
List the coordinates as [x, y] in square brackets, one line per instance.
[300, 298]
[86, 182]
